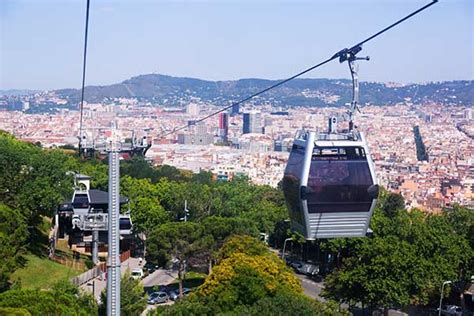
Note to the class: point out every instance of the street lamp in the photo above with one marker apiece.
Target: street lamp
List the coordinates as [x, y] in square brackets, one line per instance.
[441, 298]
[284, 247]
[186, 212]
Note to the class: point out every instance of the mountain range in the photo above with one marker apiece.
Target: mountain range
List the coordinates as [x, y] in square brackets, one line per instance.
[175, 91]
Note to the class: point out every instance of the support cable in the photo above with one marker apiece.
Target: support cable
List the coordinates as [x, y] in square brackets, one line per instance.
[343, 55]
[81, 107]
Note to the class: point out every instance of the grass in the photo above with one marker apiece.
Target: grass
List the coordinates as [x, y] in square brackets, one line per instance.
[40, 272]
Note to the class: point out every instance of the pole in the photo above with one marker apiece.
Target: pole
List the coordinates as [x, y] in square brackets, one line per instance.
[95, 246]
[284, 247]
[185, 210]
[113, 260]
[441, 298]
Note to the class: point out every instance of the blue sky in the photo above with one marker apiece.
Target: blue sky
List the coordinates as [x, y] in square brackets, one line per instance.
[41, 40]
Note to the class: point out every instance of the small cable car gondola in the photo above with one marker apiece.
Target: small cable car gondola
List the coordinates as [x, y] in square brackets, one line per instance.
[125, 225]
[329, 183]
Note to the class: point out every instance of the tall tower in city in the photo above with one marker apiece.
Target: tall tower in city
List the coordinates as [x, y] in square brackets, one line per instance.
[252, 123]
[235, 110]
[192, 109]
[223, 126]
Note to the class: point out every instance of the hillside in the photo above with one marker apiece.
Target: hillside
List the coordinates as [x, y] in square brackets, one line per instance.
[171, 91]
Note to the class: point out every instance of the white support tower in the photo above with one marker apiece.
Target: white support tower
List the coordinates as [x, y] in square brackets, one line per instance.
[114, 147]
[113, 260]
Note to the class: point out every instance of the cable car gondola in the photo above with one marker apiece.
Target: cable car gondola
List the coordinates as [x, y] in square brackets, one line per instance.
[329, 183]
[125, 225]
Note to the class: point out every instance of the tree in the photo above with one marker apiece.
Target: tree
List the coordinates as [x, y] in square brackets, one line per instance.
[203, 177]
[171, 173]
[13, 236]
[404, 263]
[176, 240]
[218, 229]
[62, 299]
[138, 168]
[147, 214]
[32, 180]
[290, 304]
[242, 244]
[392, 204]
[462, 221]
[132, 301]
[171, 195]
[249, 280]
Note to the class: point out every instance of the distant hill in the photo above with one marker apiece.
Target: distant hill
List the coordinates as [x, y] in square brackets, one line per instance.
[170, 91]
[17, 92]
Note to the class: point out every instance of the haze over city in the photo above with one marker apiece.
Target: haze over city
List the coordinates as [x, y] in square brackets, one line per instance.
[42, 40]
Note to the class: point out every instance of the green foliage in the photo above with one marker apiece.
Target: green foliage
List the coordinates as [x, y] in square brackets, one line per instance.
[33, 180]
[392, 203]
[94, 168]
[288, 304]
[132, 301]
[249, 280]
[13, 235]
[146, 210]
[242, 244]
[174, 240]
[203, 177]
[409, 256]
[182, 241]
[139, 168]
[462, 221]
[62, 299]
[14, 311]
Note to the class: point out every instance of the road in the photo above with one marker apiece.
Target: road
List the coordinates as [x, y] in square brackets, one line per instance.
[311, 288]
[159, 277]
[97, 285]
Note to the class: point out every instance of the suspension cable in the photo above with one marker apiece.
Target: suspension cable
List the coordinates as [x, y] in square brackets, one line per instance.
[83, 74]
[342, 55]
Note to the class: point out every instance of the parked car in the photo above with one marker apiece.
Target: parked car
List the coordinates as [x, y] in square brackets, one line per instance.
[451, 310]
[296, 265]
[137, 274]
[150, 267]
[174, 295]
[187, 291]
[313, 269]
[317, 277]
[307, 268]
[158, 298]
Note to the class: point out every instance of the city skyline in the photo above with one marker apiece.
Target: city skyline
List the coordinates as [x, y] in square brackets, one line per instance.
[196, 40]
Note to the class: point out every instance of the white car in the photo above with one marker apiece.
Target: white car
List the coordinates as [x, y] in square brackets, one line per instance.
[137, 274]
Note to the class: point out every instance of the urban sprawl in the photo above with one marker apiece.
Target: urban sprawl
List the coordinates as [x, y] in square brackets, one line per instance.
[255, 141]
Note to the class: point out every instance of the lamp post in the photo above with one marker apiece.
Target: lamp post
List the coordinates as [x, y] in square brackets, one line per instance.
[186, 212]
[284, 247]
[441, 298]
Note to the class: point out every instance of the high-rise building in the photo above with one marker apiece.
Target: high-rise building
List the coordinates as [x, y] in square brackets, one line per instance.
[192, 109]
[470, 114]
[252, 123]
[199, 136]
[223, 126]
[201, 128]
[235, 110]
